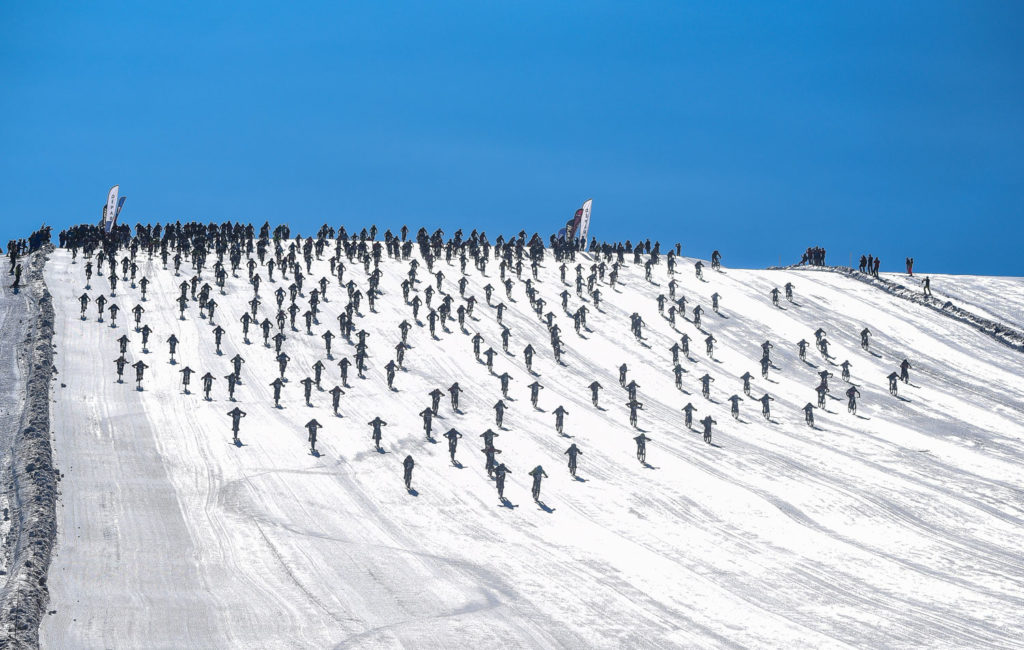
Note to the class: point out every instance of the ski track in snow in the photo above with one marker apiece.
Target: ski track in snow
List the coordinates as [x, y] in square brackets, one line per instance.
[899, 526]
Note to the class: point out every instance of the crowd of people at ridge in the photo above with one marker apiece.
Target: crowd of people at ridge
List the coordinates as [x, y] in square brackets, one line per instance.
[35, 241]
[215, 251]
[18, 248]
[869, 264]
[814, 256]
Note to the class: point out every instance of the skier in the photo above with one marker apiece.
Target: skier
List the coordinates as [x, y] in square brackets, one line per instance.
[236, 415]
[709, 342]
[927, 284]
[622, 375]
[408, 464]
[864, 334]
[641, 447]
[594, 388]
[845, 365]
[453, 442]
[893, 383]
[537, 473]
[573, 451]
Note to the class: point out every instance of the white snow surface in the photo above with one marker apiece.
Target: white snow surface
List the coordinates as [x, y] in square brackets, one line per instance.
[901, 525]
[997, 298]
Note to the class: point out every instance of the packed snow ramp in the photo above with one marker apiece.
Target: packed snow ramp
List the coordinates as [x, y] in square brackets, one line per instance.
[899, 524]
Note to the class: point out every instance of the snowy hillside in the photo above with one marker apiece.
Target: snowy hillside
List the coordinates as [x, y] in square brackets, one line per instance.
[901, 524]
[1000, 299]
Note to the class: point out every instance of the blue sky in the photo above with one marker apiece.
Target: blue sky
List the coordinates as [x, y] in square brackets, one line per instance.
[755, 128]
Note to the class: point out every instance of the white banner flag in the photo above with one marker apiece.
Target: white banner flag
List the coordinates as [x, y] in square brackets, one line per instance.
[585, 221]
[111, 213]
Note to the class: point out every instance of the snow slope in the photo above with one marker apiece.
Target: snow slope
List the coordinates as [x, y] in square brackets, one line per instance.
[997, 298]
[899, 525]
[29, 484]
[15, 309]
